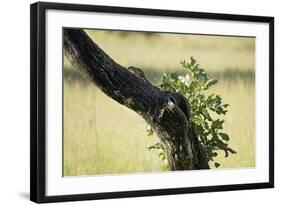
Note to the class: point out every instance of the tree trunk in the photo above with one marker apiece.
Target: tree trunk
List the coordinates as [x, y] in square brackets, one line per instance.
[167, 113]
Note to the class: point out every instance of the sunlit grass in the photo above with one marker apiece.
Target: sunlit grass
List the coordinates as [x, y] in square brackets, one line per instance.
[101, 136]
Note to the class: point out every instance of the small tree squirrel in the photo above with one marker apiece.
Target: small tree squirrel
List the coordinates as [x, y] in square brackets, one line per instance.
[137, 71]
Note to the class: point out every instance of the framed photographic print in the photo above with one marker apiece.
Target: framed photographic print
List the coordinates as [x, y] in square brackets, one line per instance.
[129, 102]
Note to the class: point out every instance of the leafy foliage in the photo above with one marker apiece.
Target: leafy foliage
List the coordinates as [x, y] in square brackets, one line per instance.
[206, 109]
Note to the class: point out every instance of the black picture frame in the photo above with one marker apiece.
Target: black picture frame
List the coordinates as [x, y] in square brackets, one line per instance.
[38, 100]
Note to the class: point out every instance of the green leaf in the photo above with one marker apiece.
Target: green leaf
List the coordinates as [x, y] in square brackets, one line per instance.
[198, 129]
[225, 105]
[165, 167]
[224, 136]
[162, 155]
[217, 124]
[209, 83]
[193, 61]
[156, 146]
[214, 154]
[206, 114]
[210, 100]
[218, 100]
[219, 110]
[149, 131]
[174, 76]
[217, 164]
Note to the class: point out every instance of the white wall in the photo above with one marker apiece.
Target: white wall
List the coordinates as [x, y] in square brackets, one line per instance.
[14, 100]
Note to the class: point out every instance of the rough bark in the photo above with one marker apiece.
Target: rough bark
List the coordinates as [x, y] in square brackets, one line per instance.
[167, 113]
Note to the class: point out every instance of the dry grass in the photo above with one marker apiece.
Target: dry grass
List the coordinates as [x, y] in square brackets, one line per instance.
[103, 137]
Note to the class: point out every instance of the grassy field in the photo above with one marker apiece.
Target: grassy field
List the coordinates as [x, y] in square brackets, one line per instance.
[103, 137]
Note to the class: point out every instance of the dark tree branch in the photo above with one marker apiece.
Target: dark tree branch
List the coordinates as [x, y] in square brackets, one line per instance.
[167, 113]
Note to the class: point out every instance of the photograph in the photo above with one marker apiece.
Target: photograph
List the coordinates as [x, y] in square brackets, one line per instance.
[134, 102]
[137, 102]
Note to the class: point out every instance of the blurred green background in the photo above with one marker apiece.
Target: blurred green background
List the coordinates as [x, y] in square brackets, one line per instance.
[103, 137]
